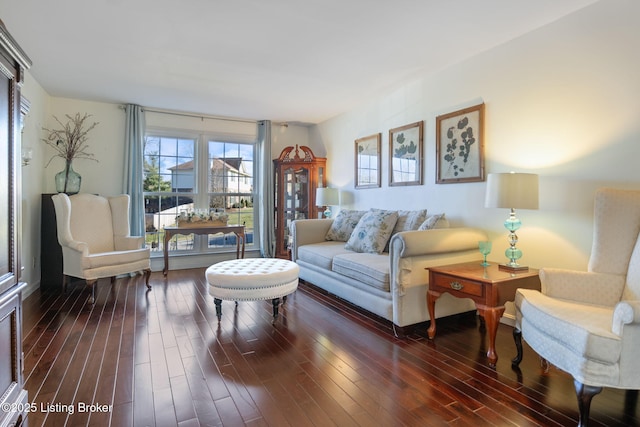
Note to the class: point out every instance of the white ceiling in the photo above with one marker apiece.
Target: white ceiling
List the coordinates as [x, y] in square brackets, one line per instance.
[284, 60]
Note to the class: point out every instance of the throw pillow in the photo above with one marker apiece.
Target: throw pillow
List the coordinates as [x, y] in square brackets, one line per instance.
[434, 221]
[343, 225]
[373, 231]
[409, 220]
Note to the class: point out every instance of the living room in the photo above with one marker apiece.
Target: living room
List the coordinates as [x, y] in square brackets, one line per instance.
[560, 101]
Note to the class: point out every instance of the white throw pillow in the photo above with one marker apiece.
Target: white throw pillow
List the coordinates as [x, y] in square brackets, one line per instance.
[373, 231]
[434, 221]
[343, 225]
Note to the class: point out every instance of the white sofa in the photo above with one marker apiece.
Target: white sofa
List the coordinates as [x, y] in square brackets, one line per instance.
[392, 284]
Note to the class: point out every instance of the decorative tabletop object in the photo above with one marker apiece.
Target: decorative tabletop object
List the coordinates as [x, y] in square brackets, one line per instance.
[70, 142]
[201, 218]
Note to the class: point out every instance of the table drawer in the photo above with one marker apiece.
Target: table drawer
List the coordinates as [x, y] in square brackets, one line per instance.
[462, 286]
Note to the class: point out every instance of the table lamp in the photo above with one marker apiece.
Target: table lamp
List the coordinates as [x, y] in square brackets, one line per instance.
[512, 191]
[327, 197]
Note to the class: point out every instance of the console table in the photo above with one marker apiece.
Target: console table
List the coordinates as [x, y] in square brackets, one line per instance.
[169, 232]
[489, 287]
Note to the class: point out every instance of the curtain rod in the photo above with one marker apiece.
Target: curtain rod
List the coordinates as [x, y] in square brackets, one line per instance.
[197, 116]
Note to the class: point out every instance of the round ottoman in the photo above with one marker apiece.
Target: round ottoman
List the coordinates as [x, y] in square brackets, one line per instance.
[252, 279]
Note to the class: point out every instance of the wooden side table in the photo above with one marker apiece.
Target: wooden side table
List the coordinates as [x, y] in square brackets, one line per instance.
[489, 287]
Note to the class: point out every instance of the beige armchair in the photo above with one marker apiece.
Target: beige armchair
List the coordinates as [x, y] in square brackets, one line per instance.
[588, 323]
[94, 234]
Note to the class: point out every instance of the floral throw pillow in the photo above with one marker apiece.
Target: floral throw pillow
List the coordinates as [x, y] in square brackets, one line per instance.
[343, 225]
[409, 220]
[373, 231]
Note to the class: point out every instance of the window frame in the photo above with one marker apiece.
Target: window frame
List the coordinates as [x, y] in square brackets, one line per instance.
[200, 193]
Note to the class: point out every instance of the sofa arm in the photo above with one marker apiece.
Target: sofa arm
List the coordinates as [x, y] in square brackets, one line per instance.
[582, 286]
[441, 240]
[625, 313]
[308, 231]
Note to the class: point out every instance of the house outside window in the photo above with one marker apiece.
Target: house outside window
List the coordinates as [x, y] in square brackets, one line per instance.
[191, 173]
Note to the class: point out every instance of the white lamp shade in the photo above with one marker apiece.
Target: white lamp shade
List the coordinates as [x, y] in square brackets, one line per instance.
[512, 190]
[327, 196]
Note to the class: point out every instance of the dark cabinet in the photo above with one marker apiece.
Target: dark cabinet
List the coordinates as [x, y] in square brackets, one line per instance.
[13, 397]
[50, 250]
[297, 177]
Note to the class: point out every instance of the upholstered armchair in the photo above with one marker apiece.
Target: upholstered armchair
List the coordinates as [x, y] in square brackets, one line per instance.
[588, 323]
[94, 234]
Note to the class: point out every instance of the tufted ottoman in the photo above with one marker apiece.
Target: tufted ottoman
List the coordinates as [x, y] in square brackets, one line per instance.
[252, 279]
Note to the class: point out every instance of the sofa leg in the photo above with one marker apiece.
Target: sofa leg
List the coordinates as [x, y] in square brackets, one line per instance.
[92, 286]
[147, 275]
[585, 393]
[517, 338]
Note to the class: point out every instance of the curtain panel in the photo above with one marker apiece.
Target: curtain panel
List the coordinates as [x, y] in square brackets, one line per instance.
[266, 191]
[134, 166]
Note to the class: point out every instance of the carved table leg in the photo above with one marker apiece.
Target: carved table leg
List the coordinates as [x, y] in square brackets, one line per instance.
[492, 317]
[431, 306]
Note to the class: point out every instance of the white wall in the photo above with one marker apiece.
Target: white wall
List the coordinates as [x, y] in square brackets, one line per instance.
[32, 179]
[561, 102]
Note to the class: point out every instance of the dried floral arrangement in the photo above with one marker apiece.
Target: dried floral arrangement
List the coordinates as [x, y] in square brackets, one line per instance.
[201, 217]
[70, 142]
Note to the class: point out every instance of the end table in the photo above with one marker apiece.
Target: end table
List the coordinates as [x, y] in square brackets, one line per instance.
[489, 287]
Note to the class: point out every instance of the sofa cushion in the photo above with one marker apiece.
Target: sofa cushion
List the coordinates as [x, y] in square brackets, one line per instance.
[368, 268]
[321, 254]
[373, 231]
[343, 225]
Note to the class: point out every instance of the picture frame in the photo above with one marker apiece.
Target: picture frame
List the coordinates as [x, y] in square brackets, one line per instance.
[460, 146]
[368, 161]
[405, 154]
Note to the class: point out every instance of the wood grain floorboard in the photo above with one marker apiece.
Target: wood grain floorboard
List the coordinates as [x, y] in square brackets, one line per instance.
[160, 358]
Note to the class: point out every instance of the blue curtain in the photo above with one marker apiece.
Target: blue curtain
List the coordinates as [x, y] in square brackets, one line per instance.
[266, 191]
[134, 166]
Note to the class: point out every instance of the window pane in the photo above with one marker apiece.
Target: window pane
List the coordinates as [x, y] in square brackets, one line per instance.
[231, 187]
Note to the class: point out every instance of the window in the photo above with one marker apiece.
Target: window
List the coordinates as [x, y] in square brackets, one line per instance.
[196, 173]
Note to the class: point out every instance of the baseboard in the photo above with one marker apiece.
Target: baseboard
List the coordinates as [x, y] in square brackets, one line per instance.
[31, 288]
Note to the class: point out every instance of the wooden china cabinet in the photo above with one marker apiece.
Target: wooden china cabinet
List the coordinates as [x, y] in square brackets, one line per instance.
[13, 398]
[298, 173]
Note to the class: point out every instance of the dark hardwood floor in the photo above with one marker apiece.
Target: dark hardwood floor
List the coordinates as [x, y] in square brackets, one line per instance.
[160, 358]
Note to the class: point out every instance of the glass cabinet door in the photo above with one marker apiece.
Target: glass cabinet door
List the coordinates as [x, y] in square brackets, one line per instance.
[295, 199]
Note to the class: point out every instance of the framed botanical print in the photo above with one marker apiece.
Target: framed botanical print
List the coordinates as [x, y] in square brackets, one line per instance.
[368, 162]
[405, 155]
[460, 146]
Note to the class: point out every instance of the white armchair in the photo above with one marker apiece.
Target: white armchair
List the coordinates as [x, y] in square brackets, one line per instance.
[94, 234]
[588, 323]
